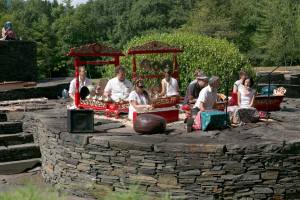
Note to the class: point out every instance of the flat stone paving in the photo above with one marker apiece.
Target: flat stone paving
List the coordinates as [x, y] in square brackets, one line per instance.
[284, 126]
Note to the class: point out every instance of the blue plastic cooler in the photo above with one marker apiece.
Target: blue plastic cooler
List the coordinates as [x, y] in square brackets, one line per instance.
[213, 120]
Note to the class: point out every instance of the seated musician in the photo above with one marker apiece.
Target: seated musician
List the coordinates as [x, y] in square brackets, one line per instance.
[244, 112]
[192, 95]
[7, 32]
[118, 88]
[169, 85]
[194, 89]
[205, 102]
[198, 72]
[83, 81]
[139, 99]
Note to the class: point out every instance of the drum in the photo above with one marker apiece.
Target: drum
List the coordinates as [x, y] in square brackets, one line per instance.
[149, 124]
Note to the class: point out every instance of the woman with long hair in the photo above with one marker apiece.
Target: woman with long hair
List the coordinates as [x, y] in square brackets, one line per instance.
[244, 112]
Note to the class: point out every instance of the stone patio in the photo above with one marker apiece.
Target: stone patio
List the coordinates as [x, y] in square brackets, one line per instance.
[255, 161]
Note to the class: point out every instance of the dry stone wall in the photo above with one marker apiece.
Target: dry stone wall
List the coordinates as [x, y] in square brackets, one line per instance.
[186, 169]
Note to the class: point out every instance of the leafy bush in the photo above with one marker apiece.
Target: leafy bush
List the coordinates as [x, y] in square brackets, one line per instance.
[213, 56]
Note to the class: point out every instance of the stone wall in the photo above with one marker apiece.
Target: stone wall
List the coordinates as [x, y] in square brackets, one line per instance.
[51, 90]
[185, 168]
[18, 61]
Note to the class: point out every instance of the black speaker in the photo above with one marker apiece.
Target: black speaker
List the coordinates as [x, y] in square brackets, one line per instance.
[80, 121]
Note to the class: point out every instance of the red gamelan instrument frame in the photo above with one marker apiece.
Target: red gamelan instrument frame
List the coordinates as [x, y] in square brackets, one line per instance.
[156, 47]
[93, 51]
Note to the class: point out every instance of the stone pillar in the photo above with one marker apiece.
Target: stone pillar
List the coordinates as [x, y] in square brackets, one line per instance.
[18, 61]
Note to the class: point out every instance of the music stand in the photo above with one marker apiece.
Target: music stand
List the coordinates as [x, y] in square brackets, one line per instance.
[269, 88]
[226, 102]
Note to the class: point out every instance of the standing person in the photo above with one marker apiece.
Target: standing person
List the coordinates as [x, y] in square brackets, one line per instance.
[239, 82]
[83, 81]
[236, 86]
[169, 85]
[139, 99]
[7, 32]
[118, 88]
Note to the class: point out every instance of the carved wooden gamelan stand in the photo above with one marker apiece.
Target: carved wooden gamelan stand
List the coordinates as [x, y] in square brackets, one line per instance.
[93, 52]
[163, 106]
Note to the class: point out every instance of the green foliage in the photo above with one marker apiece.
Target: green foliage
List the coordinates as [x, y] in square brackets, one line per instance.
[30, 192]
[213, 56]
[267, 31]
[58, 27]
[277, 36]
[210, 17]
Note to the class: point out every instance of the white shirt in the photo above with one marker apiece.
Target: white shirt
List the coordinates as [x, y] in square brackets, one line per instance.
[140, 100]
[72, 87]
[237, 84]
[172, 85]
[246, 96]
[118, 89]
[208, 97]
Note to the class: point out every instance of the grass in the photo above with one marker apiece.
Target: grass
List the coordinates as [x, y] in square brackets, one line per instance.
[31, 192]
[132, 194]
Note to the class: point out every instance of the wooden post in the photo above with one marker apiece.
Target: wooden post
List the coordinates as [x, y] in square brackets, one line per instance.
[134, 68]
[117, 61]
[77, 96]
[175, 66]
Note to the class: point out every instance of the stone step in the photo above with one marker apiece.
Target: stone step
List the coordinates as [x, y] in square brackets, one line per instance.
[11, 127]
[19, 152]
[16, 167]
[3, 117]
[14, 139]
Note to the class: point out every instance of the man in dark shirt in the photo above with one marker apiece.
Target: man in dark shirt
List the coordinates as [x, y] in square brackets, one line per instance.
[194, 89]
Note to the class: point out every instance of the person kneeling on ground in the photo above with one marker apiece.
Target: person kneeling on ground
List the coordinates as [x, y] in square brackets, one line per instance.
[205, 102]
[139, 99]
[244, 112]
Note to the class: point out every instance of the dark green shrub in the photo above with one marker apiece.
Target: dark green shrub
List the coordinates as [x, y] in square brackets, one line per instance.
[213, 56]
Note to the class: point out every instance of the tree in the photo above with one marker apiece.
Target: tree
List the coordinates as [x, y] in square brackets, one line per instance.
[211, 18]
[277, 35]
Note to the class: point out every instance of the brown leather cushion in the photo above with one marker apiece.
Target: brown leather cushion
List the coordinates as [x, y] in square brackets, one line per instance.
[149, 124]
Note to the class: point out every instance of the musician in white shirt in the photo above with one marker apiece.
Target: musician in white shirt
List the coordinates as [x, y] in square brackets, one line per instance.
[118, 88]
[169, 85]
[208, 95]
[244, 112]
[83, 81]
[239, 82]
